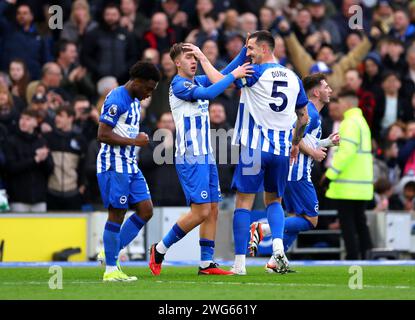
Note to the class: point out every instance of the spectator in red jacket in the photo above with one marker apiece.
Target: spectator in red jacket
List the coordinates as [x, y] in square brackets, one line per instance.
[367, 100]
[160, 36]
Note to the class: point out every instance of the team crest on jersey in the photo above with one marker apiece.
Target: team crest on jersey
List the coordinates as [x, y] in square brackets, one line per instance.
[316, 208]
[112, 111]
[188, 84]
[204, 194]
[123, 199]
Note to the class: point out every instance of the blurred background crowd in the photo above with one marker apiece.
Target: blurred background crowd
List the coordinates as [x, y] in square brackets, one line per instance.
[54, 81]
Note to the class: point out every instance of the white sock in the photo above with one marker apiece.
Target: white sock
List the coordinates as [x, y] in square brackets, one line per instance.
[240, 261]
[277, 245]
[266, 230]
[109, 269]
[205, 264]
[161, 248]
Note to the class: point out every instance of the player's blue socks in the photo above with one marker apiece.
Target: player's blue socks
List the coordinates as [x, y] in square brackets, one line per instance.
[207, 248]
[130, 229]
[174, 235]
[293, 226]
[241, 224]
[275, 215]
[111, 243]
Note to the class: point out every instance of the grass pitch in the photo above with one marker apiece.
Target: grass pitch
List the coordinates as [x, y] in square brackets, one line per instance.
[177, 283]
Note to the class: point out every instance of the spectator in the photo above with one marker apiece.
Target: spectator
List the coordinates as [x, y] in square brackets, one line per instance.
[248, 23]
[406, 156]
[160, 99]
[234, 43]
[155, 173]
[353, 39]
[396, 132]
[303, 62]
[75, 78]
[351, 177]
[29, 165]
[222, 147]
[280, 52]
[152, 55]
[383, 17]
[390, 106]
[322, 23]
[367, 100]
[231, 23]
[384, 198]
[386, 163]
[267, 20]
[211, 51]
[405, 194]
[372, 80]
[45, 114]
[86, 118]
[9, 115]
[342, 19]
[22, 40]
[302, 26]
[66, 184]
[160, 36]
[92, 194]
[51, 79]
[19, 76]
[104, 86]
[79, 23]
[408, 79]
[109, 50]
[395, 57]
[178, 19]
[132, 19]
[402, 29]
[208, 31]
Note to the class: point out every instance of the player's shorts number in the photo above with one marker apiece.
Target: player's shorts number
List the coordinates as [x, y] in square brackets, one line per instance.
[279, 94]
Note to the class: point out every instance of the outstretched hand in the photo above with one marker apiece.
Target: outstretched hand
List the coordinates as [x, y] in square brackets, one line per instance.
[243, 71]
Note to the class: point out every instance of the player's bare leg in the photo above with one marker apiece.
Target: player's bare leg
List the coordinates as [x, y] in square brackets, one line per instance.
[185, 224]
[241, 223]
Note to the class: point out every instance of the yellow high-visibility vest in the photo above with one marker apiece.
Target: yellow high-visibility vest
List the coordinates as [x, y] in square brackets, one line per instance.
[351, 172]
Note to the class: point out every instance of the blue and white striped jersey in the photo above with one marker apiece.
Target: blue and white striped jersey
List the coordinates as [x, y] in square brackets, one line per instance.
[267, 108]
[122, 113]
[302, 168]
[191, 116]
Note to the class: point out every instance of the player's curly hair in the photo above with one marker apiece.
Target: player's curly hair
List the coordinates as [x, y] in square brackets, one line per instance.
[145, 70]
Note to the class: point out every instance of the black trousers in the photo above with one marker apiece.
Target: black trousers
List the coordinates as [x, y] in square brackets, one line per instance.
[60, 203]
[354, 228]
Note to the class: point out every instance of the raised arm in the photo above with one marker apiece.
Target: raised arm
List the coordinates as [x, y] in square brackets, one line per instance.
[211, 72]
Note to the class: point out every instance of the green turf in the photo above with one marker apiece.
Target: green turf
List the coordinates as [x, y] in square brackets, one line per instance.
[392, 282]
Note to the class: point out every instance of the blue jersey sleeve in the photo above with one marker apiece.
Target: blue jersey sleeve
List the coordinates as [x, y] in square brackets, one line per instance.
[188, 91]
[113, 108]
[250, 81]
[302, 99]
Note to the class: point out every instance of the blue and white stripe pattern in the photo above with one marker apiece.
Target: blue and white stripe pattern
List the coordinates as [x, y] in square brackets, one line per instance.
[191, 118]
[123, 114]
[302, 168]
[250, 134]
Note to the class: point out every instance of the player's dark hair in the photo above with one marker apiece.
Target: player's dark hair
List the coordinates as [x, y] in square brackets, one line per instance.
[313, 80]
[145, 70]
[67, 109]
[264, 36]
[177, 49]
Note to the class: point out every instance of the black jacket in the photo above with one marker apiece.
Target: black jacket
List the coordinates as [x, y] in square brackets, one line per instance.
[27, 180]
[109, 52]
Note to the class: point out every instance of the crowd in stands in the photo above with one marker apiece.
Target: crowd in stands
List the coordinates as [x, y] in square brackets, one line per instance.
[53, 83]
